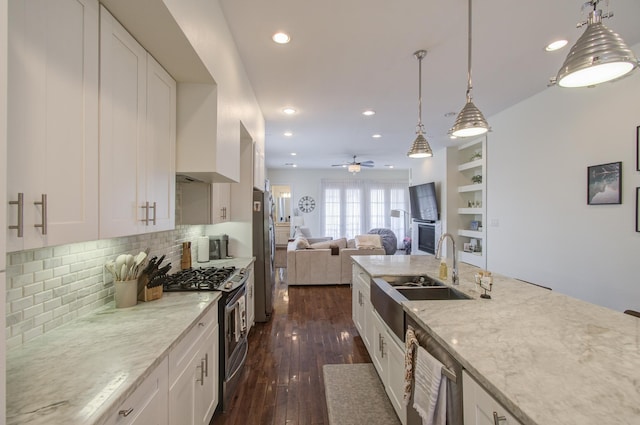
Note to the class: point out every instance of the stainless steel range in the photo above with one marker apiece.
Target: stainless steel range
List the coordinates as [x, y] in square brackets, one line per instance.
[232, 318]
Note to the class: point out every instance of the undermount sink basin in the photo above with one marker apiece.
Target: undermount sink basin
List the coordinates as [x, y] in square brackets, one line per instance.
[418, 281]
[431, 293]
[387, 299]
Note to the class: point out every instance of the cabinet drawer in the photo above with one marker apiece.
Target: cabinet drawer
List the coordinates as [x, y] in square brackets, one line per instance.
[146, 400]
[181, 354]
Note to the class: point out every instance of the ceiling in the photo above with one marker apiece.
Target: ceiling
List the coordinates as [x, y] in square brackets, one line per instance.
[346, 56]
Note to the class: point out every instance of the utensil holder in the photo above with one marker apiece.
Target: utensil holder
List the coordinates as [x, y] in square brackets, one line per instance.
[126, 293]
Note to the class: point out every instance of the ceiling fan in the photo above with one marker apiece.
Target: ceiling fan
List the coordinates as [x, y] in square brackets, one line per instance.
[353, 166]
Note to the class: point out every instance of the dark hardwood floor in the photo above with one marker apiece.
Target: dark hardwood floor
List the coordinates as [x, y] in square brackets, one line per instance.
[282, 381]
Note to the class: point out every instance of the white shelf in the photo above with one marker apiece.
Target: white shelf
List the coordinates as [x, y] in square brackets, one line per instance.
[473, 258]
[471, 188]
[472, 164]
[471, 211]
[471, 233]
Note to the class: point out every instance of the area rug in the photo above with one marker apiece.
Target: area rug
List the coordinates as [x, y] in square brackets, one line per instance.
[355, 396]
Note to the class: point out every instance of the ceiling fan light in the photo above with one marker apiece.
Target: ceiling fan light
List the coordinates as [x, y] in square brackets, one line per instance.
[599, 55]
[470, 122]
[420, 148]
[353, 168]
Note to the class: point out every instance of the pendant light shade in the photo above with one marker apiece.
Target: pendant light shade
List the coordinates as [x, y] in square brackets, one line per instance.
[470, 121]
[420, 147]
[598, 56]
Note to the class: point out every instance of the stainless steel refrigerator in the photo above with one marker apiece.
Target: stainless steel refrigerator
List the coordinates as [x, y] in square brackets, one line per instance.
[263, 250]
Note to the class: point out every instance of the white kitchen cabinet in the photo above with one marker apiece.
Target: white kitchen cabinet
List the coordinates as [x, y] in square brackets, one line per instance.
[220, 202]
[387, 354]
[148, 403]
[480, 408]
[361, 308]
[201, 153]
[137, 136]
[52, 122]
[193, 374]
[259, 175]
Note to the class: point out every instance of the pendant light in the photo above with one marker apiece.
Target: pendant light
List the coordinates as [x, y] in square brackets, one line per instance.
[598, 56]
[470, 121]
[420, 147]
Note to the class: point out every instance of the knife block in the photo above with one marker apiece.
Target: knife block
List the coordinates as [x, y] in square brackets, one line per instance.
[185, 262]
[148, 294]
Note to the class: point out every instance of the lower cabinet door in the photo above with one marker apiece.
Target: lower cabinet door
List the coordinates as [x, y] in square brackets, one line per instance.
[206, 396]
[395, 384]
[182, 394]
[148, 404]
[480, 408]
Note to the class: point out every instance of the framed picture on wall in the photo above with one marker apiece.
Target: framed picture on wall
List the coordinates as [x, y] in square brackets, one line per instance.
[604, 184]
[637, 209]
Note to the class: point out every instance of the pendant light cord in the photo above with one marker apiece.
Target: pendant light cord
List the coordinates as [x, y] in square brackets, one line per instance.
[420, 54]
[469, 86]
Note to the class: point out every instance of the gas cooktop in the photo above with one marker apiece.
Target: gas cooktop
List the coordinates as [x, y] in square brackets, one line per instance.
[205, 279]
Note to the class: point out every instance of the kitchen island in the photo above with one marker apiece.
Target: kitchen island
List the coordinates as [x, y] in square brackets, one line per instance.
[546, 357]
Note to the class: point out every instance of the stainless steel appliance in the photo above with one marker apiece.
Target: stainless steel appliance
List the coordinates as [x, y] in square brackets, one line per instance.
[231, 318]
[263, 251]
[218, 247]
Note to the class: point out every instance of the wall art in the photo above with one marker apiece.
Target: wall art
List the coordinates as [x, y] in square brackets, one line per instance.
[604, 184]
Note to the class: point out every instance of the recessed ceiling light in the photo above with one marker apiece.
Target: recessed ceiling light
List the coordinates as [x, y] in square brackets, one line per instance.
[294, 165]
[558, 44]
[389, 166]
[377, 136]
[289, 111]
[369, 112]
[281, 38]
[293, 154]
[288, 133]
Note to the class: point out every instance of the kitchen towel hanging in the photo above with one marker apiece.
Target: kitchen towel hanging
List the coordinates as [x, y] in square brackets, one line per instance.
[430, 388]
[241, 317]
[203, 249]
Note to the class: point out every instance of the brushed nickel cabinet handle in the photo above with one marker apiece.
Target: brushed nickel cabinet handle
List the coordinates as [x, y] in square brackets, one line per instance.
[201, 380]
[20, 225]
[155, 213]
[145, 207]
[206, 364]
[43, 203]
[497, 419]
[125, 413]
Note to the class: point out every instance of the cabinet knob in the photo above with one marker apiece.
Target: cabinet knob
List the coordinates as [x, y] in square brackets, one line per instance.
[497, 419]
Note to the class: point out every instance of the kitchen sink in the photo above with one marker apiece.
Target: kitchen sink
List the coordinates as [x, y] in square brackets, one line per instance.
[387, 300]
[431, 293]
[420, 280]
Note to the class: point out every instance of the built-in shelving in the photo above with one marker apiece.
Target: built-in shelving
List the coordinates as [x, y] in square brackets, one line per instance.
[471, 202]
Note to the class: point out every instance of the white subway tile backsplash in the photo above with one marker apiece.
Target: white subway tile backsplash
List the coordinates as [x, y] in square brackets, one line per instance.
[52, 286]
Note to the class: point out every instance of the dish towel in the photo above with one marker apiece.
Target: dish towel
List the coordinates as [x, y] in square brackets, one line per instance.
[241, 317]
[430, 389]
[411, 342]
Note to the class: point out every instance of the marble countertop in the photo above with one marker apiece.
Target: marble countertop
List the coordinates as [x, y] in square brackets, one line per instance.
[79, 373]
[546, 357]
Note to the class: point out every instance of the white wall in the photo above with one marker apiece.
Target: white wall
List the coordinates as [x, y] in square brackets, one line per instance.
[307, 182]
[540, 228]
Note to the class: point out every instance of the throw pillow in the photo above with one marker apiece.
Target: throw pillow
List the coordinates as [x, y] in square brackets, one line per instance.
[351, 243]
[301, 243]
[368, 241]
[340, 243]
[322, 245]
[302, 232]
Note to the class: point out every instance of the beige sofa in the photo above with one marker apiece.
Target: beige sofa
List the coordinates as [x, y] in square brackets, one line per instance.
[326, 262]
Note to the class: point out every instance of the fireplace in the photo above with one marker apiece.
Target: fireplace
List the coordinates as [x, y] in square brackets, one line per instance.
[427, 237]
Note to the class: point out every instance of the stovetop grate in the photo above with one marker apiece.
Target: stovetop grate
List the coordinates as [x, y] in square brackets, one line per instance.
[199, 279]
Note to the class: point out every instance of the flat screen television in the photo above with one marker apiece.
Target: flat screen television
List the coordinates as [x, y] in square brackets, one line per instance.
[424, 202]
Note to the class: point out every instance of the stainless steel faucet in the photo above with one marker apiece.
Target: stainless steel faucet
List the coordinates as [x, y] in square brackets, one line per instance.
[454, 273]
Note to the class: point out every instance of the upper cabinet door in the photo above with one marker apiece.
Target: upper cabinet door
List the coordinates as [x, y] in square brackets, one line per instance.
[137, 136]
[160, 146]
[52, 122]
[123, 75]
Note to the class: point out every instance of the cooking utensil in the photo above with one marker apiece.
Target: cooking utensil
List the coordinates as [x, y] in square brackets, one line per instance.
[129, 261]
[139, 259]
[120, 261]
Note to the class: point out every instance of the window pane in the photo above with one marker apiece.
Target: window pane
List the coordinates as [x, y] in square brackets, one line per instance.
[332, 213]
[376, 211]
[352, 213]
